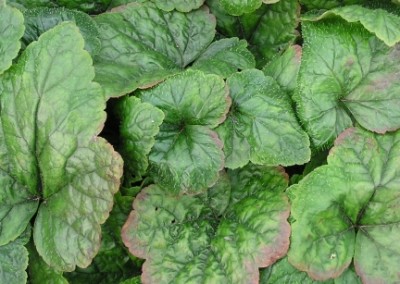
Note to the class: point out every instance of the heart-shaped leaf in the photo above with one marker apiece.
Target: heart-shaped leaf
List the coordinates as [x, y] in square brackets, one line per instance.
[187, 155]
[220, 236]
[51, 113]
[261, 127]
[346, 74]
[11, 31]
[350, 209]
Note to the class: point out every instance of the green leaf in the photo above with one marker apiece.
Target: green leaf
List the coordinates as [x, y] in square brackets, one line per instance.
[384, 25]
[39, 20]
[14, 260]
[87, 6]
[112, 264]
[268, 30]
[346, 74]
[180, 5]
[239, 7]
[261, 126]
[190, 239]
[11, 31]
[51, 113]
[285, 67]
[139, 125]
[40, 272]
[142, 45]
[134, 280]
[283, 272]
[187, 155]
[225, 57]
[349, 209]
[328, 4]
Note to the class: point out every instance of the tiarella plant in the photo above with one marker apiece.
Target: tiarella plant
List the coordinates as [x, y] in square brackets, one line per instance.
[249, 141]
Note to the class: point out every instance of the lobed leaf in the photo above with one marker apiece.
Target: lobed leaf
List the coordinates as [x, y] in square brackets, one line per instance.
[11, 31]
[51, 115]
[142, 45]
[346, 75]
[139, 125]
[261, 127]
[353, 210]
[187, 155]
[190, 239]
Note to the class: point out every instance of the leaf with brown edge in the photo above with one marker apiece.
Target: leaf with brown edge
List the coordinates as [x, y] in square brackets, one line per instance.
[220, 236]
[348, 210]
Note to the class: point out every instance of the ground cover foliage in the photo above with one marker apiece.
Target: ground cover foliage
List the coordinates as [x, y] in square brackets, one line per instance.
[199, 141]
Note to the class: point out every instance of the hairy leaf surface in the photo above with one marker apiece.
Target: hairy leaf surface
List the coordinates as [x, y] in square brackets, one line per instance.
[346, 74]
[350, 209]
[140, 123]
[11, 31]
[187, 155]
[220, 236]
[51, 113]
[142, 45]
[384, 25]
[261, 127]
[39, 20]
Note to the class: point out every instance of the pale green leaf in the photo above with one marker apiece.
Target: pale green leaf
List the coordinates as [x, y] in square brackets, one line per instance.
[11, 31]
[188, 239]
[261, 127]
[346, 74]
[142, 45]
[349, 209]
[328, 4]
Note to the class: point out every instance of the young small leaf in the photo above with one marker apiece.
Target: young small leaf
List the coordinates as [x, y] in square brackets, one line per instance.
[139, 125]
[346, 74]
[285, 67]
[187, 155]
[261, 127]
[350, 209]
[142, 45]
[11, 31]
[190, 239]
